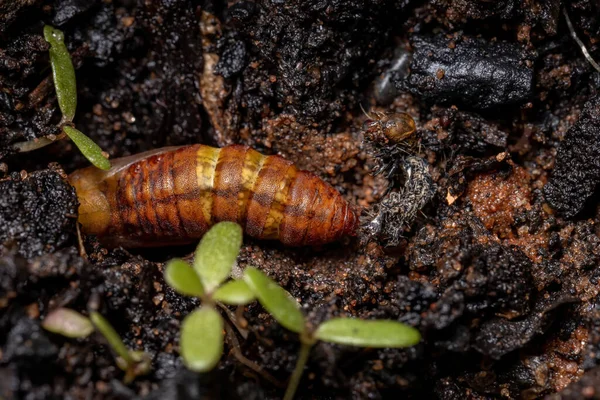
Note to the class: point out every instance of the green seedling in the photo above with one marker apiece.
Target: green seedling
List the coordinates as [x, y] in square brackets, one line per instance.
[70, 323]
[134, 363]
[346, 331]
[202, 330]
[65, 86]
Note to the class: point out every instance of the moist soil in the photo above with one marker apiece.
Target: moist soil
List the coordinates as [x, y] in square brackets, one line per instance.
[499, 271]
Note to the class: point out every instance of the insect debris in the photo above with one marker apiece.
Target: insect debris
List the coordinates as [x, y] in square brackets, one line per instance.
[391, 137]
[394, 144]
[398, 209]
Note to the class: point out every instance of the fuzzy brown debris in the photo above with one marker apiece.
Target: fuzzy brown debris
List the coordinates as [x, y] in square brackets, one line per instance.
[397, 210]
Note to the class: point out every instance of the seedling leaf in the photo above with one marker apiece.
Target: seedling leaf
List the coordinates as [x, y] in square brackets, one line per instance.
[276, 300]
[69, 323]
[202, 339]
[62, 72]
[234, 293]
[182, 277]
[216, 254]
[88, 148]
[111, 336]
[372, 333]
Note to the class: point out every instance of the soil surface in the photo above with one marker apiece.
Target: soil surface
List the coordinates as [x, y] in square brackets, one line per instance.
[499, 270]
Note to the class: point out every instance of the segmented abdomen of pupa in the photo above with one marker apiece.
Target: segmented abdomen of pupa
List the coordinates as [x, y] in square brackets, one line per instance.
[173, 195]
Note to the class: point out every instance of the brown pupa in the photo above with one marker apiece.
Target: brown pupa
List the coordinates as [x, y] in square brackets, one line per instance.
[173, 195]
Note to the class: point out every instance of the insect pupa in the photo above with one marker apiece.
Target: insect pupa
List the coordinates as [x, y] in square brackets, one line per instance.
[173, 195]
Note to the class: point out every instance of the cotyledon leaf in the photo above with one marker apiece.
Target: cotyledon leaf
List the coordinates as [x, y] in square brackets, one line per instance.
[367, 333]
[62, 72]
[88, 148]
[202, 339]
[276, 300]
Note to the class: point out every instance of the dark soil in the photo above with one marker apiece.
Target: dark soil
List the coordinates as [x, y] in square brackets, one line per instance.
[500, 271]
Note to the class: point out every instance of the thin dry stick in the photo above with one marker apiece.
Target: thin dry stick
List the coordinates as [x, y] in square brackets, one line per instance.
[237, 352]
[364, 112]
[82, 252]
[584, 50]
[233, 320]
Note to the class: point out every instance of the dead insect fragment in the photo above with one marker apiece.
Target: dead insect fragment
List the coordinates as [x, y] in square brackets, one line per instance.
[393, 142]
[174, 195]
[391, 137]
[394, 128]
[398, 209]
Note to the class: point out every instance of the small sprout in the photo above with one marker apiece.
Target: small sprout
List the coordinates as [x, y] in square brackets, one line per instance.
[234, 293]
[134, 363]
[62, 72]
[216, 254]
[113, 338]
[276, 300]
[182, 277]
[202, 330]
[202, 339]
[69, 323]
[349, 331]
[142, 365]
[370, 333]
[65, 85]
[88, 148]
[296, 376]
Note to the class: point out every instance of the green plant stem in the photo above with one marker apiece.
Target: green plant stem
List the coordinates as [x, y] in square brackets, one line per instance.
[112, 337]
[298, 370]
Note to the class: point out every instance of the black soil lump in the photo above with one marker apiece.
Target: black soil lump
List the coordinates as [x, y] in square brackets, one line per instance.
[233, 59]
[309, 57]
[24, 115]
[577, 167]
[463, 71]
[10, 10]
[38, 213]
